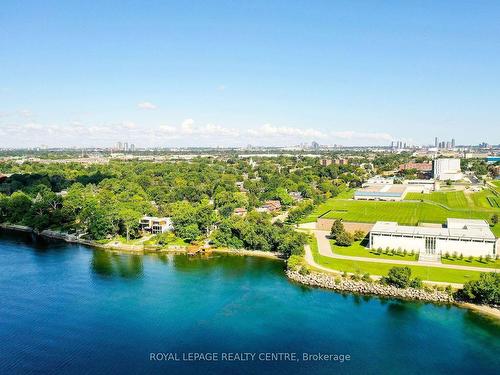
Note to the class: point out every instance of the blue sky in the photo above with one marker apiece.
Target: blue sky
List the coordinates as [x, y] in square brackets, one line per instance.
[227, 73]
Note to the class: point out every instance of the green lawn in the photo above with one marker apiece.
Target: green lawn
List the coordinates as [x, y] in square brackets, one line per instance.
[406, 213]
[472, 263]
[358, 250]
[381, 269]
[452, 199]
[327, 206]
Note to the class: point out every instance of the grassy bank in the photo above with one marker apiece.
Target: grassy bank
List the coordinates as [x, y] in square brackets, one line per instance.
[381, 269]
[358, 250]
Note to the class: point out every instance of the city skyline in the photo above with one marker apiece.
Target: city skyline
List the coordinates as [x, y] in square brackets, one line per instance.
[267, 74]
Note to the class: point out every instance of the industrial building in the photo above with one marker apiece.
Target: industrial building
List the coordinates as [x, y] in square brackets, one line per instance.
[462, 236]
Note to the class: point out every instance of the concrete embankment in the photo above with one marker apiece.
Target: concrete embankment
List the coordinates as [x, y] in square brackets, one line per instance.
[346, 285]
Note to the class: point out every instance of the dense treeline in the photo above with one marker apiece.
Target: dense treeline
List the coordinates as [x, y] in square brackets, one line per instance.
[103, 200]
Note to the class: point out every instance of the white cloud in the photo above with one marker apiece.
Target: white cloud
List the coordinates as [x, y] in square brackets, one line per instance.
[189, 128]
[268, 130]
[146, 105]
[353, 135]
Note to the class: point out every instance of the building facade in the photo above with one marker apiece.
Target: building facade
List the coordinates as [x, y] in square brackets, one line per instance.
[156, 225]
[447, 169]
[461, 236]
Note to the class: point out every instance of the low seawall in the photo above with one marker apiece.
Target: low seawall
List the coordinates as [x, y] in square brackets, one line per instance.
[345, 285]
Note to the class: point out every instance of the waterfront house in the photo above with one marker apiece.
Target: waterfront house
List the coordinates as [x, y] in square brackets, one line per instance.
[156, 225]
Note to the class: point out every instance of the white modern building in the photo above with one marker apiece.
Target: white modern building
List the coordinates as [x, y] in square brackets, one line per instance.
[156, 225]
[463, 236]
[381, 192]
[447, 169]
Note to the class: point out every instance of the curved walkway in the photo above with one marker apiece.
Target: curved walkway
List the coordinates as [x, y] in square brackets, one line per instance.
[325, 249]
[310, 260]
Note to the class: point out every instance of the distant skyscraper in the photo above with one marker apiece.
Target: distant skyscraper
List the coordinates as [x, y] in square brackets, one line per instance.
[125, 146]
[453, 142]
[118, 145]
[436, 142]
[315, 145]
[132, 147]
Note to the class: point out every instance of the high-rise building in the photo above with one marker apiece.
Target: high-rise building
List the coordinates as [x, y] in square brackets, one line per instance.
[132, 147]
[436, 142]
[125, 146]
[453, 142]
[118, 145]
[315, 145]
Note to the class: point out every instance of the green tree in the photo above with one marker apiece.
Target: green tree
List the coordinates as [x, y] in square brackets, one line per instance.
[398, 276]
[337, 228]
[130, 220]
[485, 290]
[344, 239]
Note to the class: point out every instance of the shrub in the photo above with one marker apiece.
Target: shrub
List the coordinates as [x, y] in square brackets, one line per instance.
[359, 235]
[366, 278]
[480, 259]
[446, 255]
[470, 258]
[344, 239]
[454, 255]
[398, 276]
[345, 274]
[448, 289]
[405, 252]
[387, 250]
[485, 290]
[461, 256]
[487, 258]
[356, 277]
[337, 280]
[416, 283]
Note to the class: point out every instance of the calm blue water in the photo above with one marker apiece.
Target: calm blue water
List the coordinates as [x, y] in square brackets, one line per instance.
[69, 309]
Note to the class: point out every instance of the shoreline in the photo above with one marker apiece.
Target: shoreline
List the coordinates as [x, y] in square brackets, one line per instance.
[117, 247]
[135, 249]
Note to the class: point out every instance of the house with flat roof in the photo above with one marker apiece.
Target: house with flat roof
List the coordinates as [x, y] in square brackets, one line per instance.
[156, 225]
[463, 236]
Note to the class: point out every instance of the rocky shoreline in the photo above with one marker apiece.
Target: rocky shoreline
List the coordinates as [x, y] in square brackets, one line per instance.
[361, 287]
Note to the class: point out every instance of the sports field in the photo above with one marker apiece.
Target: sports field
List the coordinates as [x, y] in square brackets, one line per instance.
[485, 199]
[435, 208]
[406, 213]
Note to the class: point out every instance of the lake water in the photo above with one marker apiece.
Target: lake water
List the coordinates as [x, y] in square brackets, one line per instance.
[70, 309]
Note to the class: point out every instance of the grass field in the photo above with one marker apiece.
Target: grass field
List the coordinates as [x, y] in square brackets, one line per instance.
[473, 263]
[358, 250]
[452, 199]
[483, 200]
[435, 208]
[407, 213]
[381, 269]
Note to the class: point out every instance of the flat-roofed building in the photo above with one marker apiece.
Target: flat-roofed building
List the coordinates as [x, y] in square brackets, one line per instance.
[156, 225]
[382, 192]
[421, 167]
[447, 169]
[461, 236]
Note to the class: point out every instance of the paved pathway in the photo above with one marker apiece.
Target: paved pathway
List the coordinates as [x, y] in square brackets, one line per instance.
[310, 260]
[325, 249]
